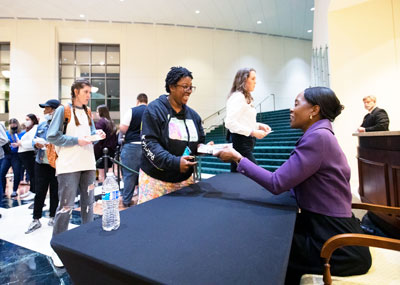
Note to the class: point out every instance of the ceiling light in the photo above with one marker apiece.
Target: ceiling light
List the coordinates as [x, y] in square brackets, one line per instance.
[312, 9]
[101, 62]
[259, 22]
[122, 0]
[82, 16]
[309, 31]
[6, 73]
[197, 12]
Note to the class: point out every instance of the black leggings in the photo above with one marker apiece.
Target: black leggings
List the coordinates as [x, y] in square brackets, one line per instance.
[28, 161]
[310, 233]
[244, 145]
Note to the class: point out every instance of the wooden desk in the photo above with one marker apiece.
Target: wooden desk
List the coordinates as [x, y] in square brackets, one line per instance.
[379, 172]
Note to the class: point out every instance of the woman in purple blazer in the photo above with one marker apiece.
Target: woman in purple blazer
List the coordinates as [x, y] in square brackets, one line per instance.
[318, 175]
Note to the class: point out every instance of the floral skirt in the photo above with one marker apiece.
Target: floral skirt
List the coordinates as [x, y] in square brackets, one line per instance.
[151, 188]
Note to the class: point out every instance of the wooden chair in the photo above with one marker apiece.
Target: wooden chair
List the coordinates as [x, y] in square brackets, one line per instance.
[341, 240]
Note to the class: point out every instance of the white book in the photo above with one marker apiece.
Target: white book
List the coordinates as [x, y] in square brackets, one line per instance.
[212, 149]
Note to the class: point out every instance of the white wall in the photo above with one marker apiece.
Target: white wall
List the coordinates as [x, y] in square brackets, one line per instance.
[364, 55]
[147, 53]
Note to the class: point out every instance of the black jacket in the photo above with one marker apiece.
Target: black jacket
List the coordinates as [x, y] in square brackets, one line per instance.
[377, 120]
[164, 139]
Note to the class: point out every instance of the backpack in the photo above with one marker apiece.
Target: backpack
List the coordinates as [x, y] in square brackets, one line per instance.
[51, 148]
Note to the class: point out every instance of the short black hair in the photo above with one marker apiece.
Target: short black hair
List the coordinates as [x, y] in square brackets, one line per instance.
[142, 98]
[327, 101]
[174, 75]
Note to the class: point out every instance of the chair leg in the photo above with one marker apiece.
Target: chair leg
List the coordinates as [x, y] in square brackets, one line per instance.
[327, 273]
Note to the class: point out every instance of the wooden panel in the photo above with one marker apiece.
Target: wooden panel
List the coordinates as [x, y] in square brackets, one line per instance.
[396, 185]
[386, 143]
[373, 182]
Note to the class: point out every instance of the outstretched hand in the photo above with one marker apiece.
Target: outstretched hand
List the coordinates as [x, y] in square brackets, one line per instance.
[228, 154]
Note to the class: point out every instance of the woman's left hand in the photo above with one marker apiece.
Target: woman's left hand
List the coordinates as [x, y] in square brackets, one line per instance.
[186, 162]
[228, 154]
[15, 144]
[101, 133]
[264, 127]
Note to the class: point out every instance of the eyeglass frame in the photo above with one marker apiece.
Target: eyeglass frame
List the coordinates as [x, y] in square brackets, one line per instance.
[187, 88]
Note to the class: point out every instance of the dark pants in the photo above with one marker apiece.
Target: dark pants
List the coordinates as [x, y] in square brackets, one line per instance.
[28, 161]
[45, 177]
[244, 145]
[12, 160]
[310, 233]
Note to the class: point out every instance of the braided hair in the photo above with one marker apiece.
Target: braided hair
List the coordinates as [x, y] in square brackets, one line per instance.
[78, 85]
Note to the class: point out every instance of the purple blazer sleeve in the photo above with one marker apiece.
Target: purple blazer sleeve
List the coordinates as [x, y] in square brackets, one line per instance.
[304, 161]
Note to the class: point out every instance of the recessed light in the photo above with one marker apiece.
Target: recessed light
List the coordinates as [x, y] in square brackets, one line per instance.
[122, 0]
[82, 16]
[259, 22]
[197, 12]
[309, 31]
[312, 9]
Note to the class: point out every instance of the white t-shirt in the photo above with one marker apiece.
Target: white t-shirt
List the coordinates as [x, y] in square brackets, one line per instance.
[76, 158]
[126, 120]
[240, 116]
[26, 140]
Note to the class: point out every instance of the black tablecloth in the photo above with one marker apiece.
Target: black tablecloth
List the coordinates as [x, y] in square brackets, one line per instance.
[223, 230]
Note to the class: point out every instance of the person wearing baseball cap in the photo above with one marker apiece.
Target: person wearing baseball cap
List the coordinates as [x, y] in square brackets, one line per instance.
[53, 103]
[45, 174]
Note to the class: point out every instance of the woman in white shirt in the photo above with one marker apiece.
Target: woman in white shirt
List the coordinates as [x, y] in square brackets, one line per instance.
[241, 115]
[26, 152]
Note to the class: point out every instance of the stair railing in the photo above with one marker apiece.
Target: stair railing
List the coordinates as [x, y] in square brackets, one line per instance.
[259, 105]
[214, 120]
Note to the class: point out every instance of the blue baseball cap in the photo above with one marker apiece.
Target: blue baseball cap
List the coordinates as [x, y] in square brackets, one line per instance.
[53, 103]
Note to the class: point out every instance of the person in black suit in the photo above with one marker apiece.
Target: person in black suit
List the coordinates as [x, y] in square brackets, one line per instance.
[376, 120]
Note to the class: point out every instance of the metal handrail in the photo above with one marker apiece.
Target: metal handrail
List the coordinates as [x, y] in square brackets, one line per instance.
[262, 101]
[215, 113]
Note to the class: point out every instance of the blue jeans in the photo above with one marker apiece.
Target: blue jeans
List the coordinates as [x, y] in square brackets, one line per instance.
[1, 186]
[130, 156]
[12, 160]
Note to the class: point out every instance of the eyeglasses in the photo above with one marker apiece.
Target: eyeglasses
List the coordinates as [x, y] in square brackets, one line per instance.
[187, 88]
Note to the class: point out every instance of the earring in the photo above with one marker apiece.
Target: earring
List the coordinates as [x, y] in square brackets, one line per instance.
[310, 117]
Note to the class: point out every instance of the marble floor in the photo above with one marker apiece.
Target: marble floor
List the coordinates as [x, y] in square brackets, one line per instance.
[25, 258]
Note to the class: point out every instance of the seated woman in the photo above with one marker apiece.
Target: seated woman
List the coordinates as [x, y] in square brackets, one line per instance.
[171, 132]
[318, 175]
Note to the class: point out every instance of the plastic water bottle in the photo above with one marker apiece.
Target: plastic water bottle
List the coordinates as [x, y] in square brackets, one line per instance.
[110, 201]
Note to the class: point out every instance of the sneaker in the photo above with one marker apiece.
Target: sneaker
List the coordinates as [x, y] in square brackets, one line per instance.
[56, 260]
[14, 194]
[51, 222]
[33, 226]
[27, 196]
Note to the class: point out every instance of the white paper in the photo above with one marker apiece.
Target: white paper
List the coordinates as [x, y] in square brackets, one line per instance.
[94, 138]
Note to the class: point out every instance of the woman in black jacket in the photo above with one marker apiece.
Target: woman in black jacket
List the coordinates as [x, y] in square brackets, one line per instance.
[171, 132]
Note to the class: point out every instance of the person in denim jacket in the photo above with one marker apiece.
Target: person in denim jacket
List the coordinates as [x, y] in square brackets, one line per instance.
[45, 174]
